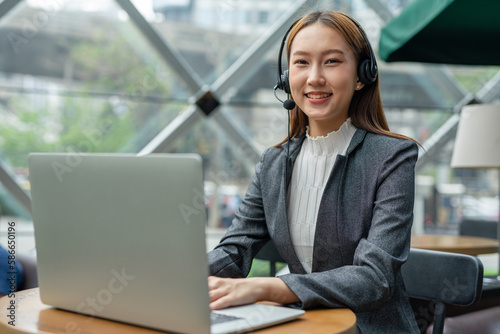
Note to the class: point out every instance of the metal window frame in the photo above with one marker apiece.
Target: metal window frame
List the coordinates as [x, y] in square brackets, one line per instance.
[233, 76]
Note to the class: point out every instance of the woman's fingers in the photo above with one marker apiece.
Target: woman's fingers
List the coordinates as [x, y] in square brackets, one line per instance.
[216, 288]
[225, 292]
[221, 303]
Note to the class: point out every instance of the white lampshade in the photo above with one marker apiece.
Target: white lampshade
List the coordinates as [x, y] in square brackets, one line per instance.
[477, 144]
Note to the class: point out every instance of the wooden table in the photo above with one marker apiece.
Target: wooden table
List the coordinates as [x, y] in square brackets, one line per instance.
[455, 244]
[34, 317]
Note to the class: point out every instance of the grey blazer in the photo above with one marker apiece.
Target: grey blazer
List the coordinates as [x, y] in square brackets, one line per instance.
[362, 234]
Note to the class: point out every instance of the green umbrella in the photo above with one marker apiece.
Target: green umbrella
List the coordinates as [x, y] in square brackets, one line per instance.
[444, 31]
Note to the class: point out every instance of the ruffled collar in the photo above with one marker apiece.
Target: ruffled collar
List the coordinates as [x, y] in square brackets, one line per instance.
[334, 142]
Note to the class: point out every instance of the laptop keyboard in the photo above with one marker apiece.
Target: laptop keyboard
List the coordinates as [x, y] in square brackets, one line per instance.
[217, 318]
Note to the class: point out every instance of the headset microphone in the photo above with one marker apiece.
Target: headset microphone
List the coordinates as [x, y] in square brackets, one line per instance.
[287, 104]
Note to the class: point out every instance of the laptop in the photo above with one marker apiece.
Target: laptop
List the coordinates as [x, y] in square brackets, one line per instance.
[122, 237]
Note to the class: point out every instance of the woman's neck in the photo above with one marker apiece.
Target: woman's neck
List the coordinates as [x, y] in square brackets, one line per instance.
[322, 128]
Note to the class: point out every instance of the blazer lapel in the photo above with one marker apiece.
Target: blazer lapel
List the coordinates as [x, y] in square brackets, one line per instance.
[327, 251]
[285, 239]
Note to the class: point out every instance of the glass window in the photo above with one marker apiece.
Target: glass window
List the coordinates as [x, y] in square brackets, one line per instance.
[79, 75]
[216, 33]
[263, 17]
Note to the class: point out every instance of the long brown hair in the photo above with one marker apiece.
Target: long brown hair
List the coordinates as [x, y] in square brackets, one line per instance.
[366, 111]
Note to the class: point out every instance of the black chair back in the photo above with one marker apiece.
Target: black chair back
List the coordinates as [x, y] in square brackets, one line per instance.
[445, 278]
[270, 253]
[479, 228]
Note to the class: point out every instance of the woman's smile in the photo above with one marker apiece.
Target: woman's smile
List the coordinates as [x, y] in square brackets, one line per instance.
[318, 97]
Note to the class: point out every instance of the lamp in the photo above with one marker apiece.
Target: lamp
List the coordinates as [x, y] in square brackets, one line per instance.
[477, 144]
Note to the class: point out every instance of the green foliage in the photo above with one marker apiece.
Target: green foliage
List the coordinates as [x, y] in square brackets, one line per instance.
[89, 127]
[473, 78]
[105, 62]
[22, 133]
[260, 268]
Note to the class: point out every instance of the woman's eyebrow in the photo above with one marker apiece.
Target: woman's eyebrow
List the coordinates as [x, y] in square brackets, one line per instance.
[326, 52]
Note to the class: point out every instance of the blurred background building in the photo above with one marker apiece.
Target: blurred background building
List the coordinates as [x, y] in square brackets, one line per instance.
[88, 76]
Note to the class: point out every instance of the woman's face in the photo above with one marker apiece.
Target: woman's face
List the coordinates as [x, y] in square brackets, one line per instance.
[323, 77]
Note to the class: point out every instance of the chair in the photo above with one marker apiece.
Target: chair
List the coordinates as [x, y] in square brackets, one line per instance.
[444, 278]
[30, 279]
[479, 228]
[270, 253]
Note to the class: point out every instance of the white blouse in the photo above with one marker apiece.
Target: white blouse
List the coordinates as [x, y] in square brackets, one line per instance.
[310, 174]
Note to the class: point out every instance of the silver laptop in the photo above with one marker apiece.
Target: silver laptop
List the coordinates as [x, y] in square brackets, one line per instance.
[122, 237]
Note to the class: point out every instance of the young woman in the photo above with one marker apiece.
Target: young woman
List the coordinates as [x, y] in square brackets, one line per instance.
[342, 216]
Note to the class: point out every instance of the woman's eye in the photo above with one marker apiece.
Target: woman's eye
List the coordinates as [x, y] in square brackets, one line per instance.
[300, 62]
[332, 61]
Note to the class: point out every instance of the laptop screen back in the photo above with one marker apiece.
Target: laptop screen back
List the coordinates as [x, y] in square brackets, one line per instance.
[122, 237]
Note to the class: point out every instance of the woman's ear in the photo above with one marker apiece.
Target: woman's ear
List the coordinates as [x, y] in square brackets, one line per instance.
[359, 85]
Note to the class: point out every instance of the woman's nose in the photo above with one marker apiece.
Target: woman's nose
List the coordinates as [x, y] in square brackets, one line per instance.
[316, 76]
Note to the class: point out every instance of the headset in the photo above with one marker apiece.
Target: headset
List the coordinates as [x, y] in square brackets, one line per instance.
[367, 74]
[367, 68]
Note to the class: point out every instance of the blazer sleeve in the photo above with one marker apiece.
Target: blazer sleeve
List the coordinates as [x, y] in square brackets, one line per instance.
[371, 279]
[248, 233]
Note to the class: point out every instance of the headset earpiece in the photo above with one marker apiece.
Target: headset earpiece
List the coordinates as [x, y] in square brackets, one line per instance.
[367, 68]
[366, 73]
[285, 83]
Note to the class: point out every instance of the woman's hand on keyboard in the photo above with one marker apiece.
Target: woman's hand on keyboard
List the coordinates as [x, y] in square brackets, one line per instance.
[226, 292]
